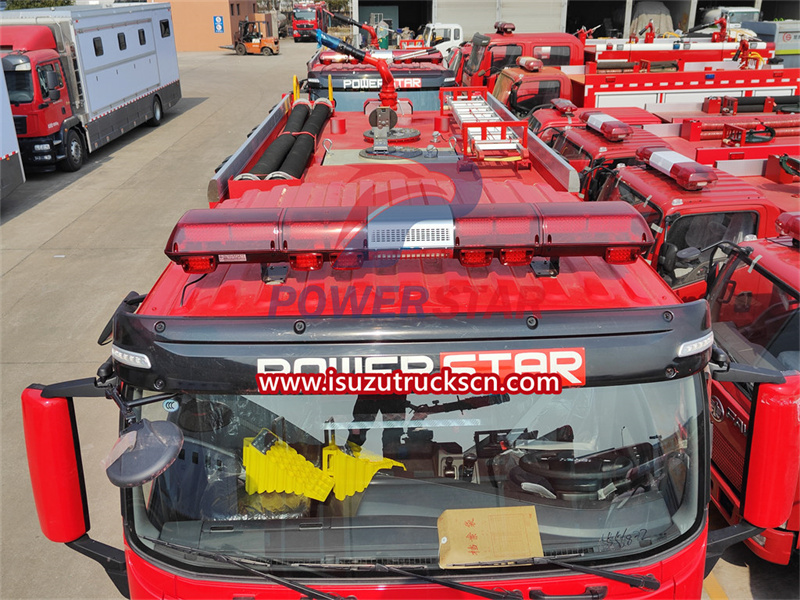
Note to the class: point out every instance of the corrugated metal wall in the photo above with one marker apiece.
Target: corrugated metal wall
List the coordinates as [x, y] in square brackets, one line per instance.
[480, 15]
[472, 15]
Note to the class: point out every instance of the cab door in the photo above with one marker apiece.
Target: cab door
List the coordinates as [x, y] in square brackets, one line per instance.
[57, 108]
[701, 231]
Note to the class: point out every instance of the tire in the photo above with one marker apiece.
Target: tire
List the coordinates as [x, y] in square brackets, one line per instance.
[75, 152]
[158, 113]
[267, 51]
[240, 49]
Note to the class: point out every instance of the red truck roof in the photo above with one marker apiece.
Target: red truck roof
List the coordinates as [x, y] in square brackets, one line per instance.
[597, 146]
[345, 178]
[632, 115]
[25, 37]
[780, 257]
[665, 193]
[238, 290]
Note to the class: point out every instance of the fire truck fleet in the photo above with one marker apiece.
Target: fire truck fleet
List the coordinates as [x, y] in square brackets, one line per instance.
[456, 240]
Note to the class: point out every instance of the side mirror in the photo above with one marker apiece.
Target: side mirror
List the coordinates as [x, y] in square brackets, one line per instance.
[54, 95]
[142, 452]
[481, 73]
[689, 255]
[54, 462]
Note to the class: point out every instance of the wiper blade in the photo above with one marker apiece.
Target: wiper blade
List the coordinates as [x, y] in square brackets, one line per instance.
[648, 582]
[492, 594]
[311, 593]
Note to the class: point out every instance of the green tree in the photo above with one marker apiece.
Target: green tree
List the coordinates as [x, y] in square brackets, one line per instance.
[22, 4]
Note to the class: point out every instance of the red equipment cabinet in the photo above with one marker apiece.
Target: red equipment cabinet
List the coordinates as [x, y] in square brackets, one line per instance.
[428, 252]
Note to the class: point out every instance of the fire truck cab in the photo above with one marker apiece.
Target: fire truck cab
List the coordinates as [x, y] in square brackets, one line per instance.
[754, 314]
[492, 53]
[601, 145]
[523, 95]
[690, 208]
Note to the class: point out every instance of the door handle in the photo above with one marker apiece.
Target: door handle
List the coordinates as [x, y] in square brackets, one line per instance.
[592, 593]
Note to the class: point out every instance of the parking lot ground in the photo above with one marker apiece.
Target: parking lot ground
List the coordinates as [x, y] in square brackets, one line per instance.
[74, 244]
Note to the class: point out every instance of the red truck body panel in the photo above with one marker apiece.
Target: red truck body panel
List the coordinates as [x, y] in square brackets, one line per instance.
[678, 573]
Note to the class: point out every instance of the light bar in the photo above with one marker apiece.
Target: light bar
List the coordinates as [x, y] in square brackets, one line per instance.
[132, 359]
[789, 224]
[610, 128]
[345, 237]
[696, 346]
[503, 27]
[530, 64]
[688, 174]
[564, 106]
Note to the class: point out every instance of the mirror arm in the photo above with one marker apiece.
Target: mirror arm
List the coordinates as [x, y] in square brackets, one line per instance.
[110, 558]
[720, 540]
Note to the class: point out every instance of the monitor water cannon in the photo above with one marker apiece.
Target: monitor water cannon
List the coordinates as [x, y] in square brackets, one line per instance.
[583, 34]
[373, 35]
[388, 93]
[648, 31]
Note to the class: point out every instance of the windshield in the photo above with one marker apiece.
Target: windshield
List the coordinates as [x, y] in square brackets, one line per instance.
[479, 44]
[502, 87]
[571, 152]
[742, 14]
[305, 15]
[614, 189]
[610, 471]
[20, 86]
[755, 317]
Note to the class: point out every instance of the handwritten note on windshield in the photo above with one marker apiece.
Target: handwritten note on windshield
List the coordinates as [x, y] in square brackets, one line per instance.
[468, 537]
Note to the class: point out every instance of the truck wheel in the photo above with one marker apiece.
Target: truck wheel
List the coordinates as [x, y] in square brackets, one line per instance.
[158, 113]
[240, 49]
[267, 51]
[74, 150]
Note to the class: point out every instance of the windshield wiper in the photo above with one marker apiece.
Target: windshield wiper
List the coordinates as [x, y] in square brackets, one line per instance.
[493, 594]
[636, 581]
[311, 593]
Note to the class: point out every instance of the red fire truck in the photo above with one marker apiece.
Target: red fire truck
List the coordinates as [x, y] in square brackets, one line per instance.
[692, 207]
[389, 244]
[597, 85]
[489, 54]
[307, 17]
[754, 314]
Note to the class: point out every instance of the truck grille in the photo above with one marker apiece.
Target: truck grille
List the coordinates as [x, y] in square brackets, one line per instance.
[728, 461]
[21, 125]
[303, 26]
